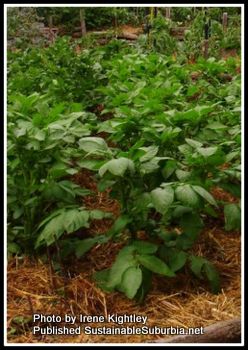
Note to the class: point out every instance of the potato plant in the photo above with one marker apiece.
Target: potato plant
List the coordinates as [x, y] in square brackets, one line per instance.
[38, 167]
[134, 180]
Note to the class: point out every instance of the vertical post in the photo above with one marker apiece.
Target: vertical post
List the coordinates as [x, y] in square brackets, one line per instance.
[116, 22]
[167, 12]
[50, 21]
[151, 20]
[207, 32]
[82, 21]
[224, 21]
[50, 24]
[147, 21]
[155, 16]
[205, 49]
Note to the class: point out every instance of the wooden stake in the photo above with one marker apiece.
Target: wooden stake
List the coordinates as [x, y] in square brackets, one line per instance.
[167, 12]
[224, 21]
[116, 23]
[205, 49]
[50, 24]
[82, 22]
[50, 21]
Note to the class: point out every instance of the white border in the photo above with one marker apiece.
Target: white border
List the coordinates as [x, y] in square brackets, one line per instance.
[124, 5]
[5, 174]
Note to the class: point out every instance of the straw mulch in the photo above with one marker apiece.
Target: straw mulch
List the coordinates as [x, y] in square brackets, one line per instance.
[182, 301]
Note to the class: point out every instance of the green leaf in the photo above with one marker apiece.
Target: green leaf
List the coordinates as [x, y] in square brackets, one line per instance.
[210, 211]
[117, 167]
[208, 151]
[232, 214]
[182, 175]
[13, 248]
[51, 145]
[145, 286]
[143, 247]
[180, 210]
[204, 110]
[205, 194]
[31, 201]
[53, 230]
[51, 216]
[183, 242]
[156, 265]
[177, 260]
[142, 202]
[99, 214]
[230, 156]
[151, 152]
[101, 278]
[191, 224]
[84, 246]
[150, 166]
[93, 145]
[119, 225]
[196, 265]
[131, 281]
[124, 260]
[58, 170]
[71, 171]
[192, 89]
[193, 143]
[18, 212]
[186, 195]
[216, 126]
[68, 186]
[74, 219]
[63, 190]
[185, 149]
[103, 184]
[91, 164]
[162, 199]
[40, 135]
[69, 139]
[213, 277]
[191, 115]
[234, 189]
[33, 145]
[65, 221]
[82, 191]
[170, 167]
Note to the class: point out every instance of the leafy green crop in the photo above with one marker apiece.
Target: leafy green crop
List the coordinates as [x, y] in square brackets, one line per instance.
[140, 194]
[39, 163]
[171, 133]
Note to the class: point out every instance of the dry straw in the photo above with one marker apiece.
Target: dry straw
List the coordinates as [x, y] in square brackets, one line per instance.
[183, 301]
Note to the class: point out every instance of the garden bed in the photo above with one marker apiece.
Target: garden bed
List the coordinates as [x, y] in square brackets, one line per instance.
[124, 182]
[181, 302]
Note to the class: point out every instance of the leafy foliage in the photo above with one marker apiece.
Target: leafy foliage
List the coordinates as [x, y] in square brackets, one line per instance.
[39, 161]
[170, 136]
